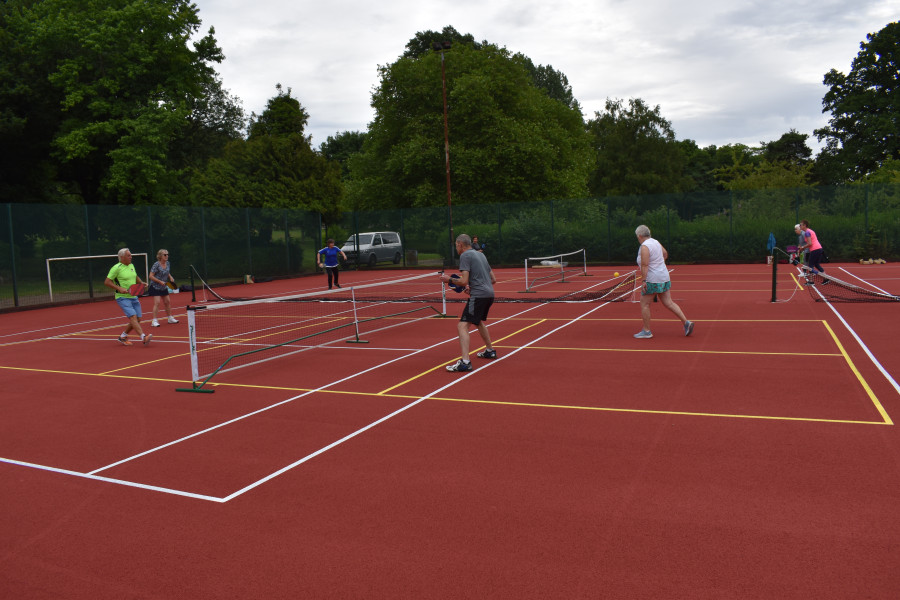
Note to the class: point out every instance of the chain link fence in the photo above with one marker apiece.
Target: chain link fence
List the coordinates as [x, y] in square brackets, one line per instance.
[226, 244]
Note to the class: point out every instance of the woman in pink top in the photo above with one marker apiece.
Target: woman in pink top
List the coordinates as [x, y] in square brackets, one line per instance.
[811, 243]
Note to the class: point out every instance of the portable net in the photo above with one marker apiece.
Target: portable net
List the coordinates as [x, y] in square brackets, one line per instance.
[824, 287]
[558, 267]
[234, 335]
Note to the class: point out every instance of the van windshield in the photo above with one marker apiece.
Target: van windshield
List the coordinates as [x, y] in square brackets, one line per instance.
[365, 239]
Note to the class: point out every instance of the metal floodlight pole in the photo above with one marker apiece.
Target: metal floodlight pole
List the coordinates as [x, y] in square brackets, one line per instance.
[440, 47]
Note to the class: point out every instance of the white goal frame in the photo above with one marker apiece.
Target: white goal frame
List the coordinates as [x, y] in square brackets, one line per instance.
[95, 256]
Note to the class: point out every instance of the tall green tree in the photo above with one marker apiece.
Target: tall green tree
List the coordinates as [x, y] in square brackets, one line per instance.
[340, 147]
[96, 94]
[275, 167]
[509, 141]
[545, 77]
[636, 151]
[862, 131]
[790, 148]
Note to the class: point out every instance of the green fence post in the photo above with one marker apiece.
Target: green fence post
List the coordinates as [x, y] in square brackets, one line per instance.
[249, 249]
[203, 238]
[12, 254]
[287, 242]
[552, 231]
[150, 228]
[87, 239]
[866, 217]
[731, 223]
[608, 231]
[499, 228]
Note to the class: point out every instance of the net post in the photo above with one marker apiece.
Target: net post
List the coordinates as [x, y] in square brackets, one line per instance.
[355, 339]
[49, 281]
[526, 275]
[193, 287]
[192, 340]
[774, 276]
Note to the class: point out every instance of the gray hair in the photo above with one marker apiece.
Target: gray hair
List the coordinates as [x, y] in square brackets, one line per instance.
[642, 231]
[123, 251]
[464, 239]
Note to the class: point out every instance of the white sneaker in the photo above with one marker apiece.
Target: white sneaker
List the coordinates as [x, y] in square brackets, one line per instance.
[155, 323]
[173, 320]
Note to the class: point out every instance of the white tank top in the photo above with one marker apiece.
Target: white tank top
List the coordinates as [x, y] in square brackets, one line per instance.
[656, 271]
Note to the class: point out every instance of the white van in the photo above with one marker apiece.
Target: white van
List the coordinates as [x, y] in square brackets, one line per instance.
[374, 247]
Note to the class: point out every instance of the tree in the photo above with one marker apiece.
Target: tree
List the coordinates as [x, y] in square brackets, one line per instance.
[275, 167]
[341, 147]
[889, 172]
[544, 77]
[509, 141]
[636, 151]
[422, 43]
[96, 94]
[284, 116]
[790, 148]
[865, 109]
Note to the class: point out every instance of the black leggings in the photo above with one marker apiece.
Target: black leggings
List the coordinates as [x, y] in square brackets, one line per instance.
[815, 260]
[332, 274]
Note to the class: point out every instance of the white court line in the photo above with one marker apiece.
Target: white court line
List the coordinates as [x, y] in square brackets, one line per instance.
[93, 474]
[861, 344]
[411, 404]
[110, 480]
[864, 281]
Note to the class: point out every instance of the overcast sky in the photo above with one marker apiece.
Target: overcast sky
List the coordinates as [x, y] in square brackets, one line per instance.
[722, 71]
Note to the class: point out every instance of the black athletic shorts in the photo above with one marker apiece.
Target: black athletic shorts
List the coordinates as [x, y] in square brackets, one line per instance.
[476, 310]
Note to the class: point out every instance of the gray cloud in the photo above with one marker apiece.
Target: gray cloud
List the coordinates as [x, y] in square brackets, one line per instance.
[739, 72]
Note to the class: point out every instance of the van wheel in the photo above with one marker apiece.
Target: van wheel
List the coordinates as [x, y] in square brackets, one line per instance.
[397, 258]
[372, 260]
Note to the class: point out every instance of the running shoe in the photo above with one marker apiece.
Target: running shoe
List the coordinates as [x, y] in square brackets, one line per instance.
[173, 320]
[460, 366]
[154, 323]
[688, 328]
[643, 334]
[123, 339]
[146, 339]
[487, 354]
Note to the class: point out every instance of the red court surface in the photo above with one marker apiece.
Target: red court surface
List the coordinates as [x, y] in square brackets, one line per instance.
[757, 458]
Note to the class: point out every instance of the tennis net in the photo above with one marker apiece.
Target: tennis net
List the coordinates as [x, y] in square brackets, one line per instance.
[234, 335]
[825, 288]
[558, 267]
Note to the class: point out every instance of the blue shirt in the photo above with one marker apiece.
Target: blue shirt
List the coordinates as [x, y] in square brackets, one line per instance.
[331, 255]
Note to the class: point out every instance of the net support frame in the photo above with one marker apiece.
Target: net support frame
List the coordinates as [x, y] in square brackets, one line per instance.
[562, 267]
[199, 380]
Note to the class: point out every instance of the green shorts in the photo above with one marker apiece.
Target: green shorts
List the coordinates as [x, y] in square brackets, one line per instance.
[655, 288]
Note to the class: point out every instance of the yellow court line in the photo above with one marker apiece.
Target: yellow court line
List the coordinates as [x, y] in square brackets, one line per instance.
[664, 412]
[680, 351]
[149, 362]
[465, 400]
[423, 373]
[667, 319]
[884, 415]
[83, 374]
